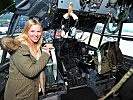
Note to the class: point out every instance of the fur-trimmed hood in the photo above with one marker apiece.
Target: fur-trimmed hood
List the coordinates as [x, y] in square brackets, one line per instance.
[10, 44]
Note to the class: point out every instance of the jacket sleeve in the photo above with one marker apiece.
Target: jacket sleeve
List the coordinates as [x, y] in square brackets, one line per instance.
[28, 67]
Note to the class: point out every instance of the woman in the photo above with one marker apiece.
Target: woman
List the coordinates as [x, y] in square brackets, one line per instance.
[27, 61]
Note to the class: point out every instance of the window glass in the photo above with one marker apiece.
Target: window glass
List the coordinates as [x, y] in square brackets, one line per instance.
[4, 24]
[21, 24]
[125, 45]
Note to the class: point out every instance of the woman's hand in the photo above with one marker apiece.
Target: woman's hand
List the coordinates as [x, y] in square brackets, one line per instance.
[48, 46]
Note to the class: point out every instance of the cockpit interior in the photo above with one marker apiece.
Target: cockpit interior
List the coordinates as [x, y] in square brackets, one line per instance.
[92, 57]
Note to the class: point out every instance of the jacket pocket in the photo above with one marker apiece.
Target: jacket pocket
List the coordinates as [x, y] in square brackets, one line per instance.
[24, 90]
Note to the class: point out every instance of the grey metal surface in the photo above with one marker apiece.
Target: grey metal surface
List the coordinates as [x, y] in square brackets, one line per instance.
[63, 4]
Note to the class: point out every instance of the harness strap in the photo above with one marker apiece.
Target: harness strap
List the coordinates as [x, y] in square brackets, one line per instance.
[119, 84]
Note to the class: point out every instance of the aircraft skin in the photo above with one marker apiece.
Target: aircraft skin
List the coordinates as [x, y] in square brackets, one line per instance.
[83, 33]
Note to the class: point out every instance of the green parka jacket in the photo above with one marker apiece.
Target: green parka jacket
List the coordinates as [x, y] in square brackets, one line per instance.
[24, 70]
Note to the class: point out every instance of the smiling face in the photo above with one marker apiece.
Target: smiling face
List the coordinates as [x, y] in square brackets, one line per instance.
[35, 33]
[32, 34]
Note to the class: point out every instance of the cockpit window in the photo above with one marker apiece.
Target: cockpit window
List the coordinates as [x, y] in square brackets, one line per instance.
[125, 37]
[126, 43]
[5, 21]
[21, 24]
[4, 24]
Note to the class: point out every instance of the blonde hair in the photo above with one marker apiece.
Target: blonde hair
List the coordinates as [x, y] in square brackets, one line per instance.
[24, 39]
